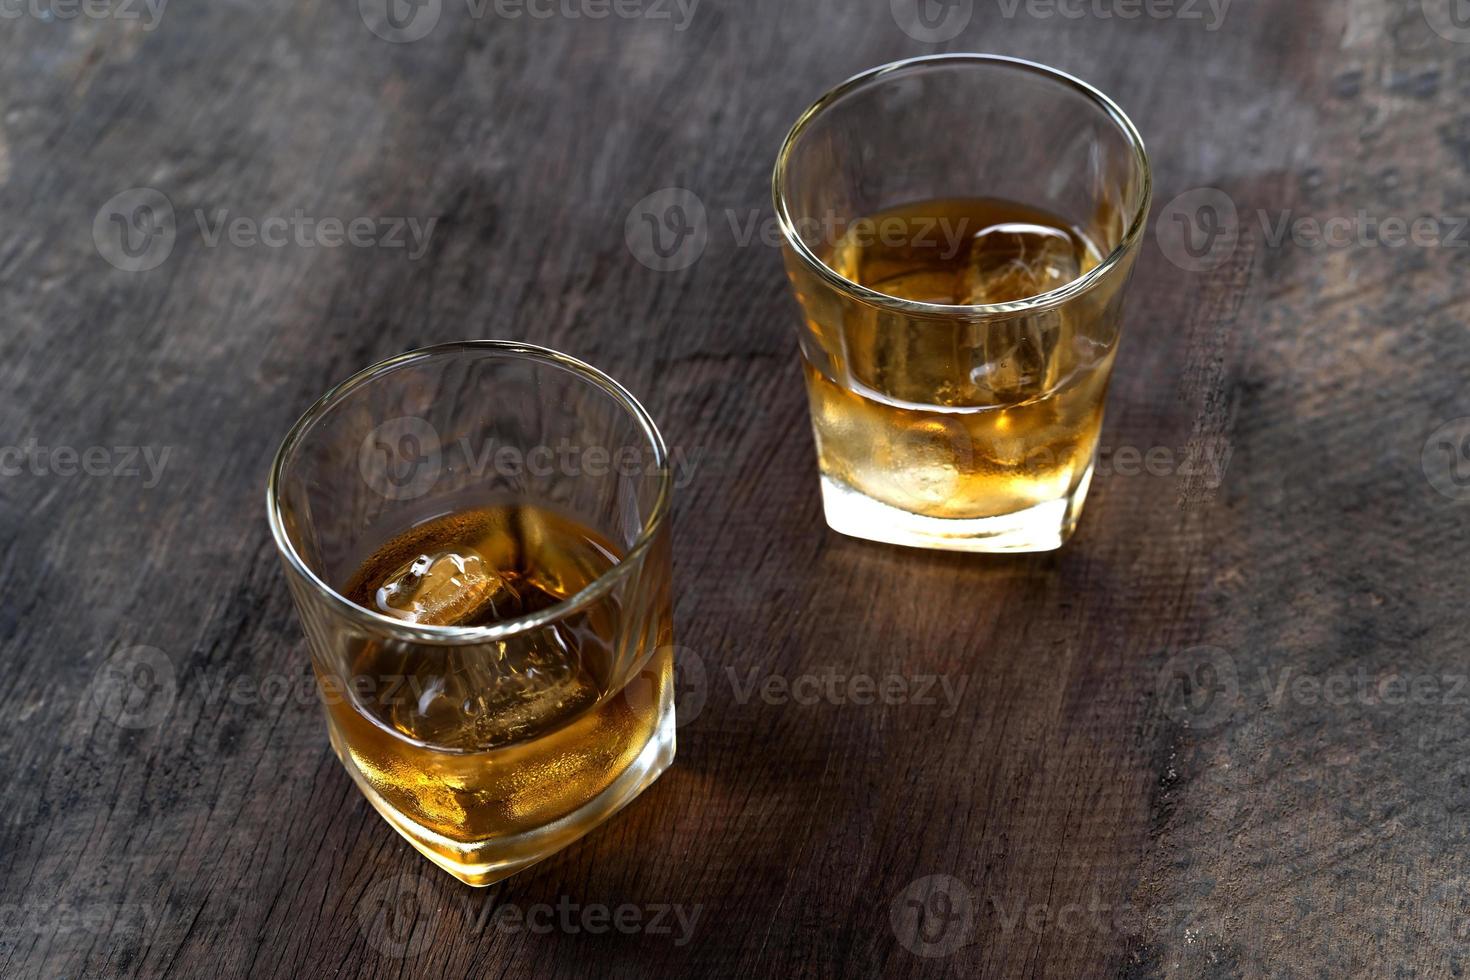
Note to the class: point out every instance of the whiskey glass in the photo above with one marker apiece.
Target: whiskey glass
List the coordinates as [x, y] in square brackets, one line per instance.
[941, 421]
[491, 745]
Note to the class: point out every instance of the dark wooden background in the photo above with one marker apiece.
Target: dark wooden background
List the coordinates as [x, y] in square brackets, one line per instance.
[1140, 778]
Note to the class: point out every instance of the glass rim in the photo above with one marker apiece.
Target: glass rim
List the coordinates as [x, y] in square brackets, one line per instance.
[1044, 301]
[470, 635]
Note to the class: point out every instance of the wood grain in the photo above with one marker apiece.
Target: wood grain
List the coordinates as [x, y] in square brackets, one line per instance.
[1099, 826]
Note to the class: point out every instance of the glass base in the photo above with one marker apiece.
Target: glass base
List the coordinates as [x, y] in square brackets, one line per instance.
[482, 863]
[1044, 527]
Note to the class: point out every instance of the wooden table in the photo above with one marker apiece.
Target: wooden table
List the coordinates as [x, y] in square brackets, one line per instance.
[1222, 734]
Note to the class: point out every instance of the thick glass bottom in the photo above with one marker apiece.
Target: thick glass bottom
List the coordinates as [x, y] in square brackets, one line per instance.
[484, 862]
[1043, 527]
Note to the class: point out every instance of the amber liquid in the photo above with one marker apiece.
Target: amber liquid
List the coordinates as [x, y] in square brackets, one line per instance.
[940, 414]
[463, 746]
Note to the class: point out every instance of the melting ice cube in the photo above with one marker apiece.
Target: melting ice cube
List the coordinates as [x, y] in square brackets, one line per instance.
[447, 589]
[1019, 358]
[493, 694]
[1016, 261]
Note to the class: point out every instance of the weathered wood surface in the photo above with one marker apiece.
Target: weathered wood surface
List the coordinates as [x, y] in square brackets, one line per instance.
[1306, 816]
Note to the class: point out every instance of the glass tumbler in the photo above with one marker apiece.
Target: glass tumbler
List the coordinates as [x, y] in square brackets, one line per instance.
[492, 742]
[953, 408]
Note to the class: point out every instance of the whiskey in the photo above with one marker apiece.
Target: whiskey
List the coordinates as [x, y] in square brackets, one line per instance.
[941, 412]
[464, 748]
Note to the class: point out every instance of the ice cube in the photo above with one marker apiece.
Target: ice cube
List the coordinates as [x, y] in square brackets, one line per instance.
[1018, 358]
[1016, 261]
[901, 356]
[492, 694]
[447, 589]
[535, 684]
